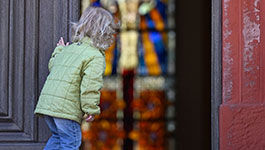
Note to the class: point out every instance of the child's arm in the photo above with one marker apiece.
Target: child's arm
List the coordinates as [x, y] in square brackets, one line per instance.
[92, 82]
[57, 50]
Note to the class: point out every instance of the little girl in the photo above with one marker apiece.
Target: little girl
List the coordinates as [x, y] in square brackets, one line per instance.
[72, 88]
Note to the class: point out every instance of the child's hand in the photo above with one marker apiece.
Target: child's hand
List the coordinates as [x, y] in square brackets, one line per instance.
[90, 118]
[61, 42]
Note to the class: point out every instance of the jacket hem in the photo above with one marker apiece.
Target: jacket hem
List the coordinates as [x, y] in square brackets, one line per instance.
[40, 112]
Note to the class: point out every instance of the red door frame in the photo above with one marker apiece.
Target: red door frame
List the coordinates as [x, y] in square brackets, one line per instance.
[238, 28]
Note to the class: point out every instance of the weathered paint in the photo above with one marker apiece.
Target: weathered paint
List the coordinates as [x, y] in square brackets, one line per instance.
[230, 56]
[242, 127]
[250, 43]
[242, 112]
[227, 54]
[262, 53]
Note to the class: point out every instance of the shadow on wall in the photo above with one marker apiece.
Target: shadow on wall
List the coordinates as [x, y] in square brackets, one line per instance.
[194, 74]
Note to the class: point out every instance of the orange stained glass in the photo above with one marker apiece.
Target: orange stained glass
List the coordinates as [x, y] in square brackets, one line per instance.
[109, 59]
[159, 23]
[164, 37]
[109, 105]
[143, 25]
[150, 56]
[103, 135]
[151, 105]
[149, 135]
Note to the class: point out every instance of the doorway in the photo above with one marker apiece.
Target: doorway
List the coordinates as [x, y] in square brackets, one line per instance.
[194, 74]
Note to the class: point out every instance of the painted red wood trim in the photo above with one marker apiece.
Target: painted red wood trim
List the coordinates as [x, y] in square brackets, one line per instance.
[242, 112]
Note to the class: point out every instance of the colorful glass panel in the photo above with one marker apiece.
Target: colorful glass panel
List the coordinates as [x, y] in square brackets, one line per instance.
[145, 45]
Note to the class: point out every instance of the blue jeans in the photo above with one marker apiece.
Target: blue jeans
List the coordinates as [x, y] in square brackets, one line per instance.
[66, 134]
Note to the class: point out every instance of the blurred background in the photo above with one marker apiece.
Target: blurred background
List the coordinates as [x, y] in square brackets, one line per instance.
[138, 99]
[156, 93]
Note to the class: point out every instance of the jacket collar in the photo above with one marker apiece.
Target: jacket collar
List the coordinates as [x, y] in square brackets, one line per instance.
[86, 39]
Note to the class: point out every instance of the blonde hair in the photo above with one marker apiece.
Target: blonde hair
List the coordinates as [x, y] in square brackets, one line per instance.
[98, 24]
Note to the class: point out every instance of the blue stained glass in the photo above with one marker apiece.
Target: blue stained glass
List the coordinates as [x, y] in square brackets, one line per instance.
[96, 3]
[115, 60]
[150, 22]
[161, 7]
[160, 49]
[142, 70]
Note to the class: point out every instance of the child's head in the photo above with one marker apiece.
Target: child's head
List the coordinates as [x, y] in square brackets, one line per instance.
[98, 24]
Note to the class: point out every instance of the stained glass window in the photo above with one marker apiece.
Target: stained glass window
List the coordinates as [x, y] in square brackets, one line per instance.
[138, 98]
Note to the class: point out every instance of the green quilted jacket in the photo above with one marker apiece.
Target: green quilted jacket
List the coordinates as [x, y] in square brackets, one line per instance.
[73, 85]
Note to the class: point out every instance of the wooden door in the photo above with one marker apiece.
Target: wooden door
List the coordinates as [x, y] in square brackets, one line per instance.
[29, 30]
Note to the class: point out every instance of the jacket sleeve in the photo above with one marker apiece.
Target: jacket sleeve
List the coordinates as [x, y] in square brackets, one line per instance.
[56, 51]
[92, 82]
